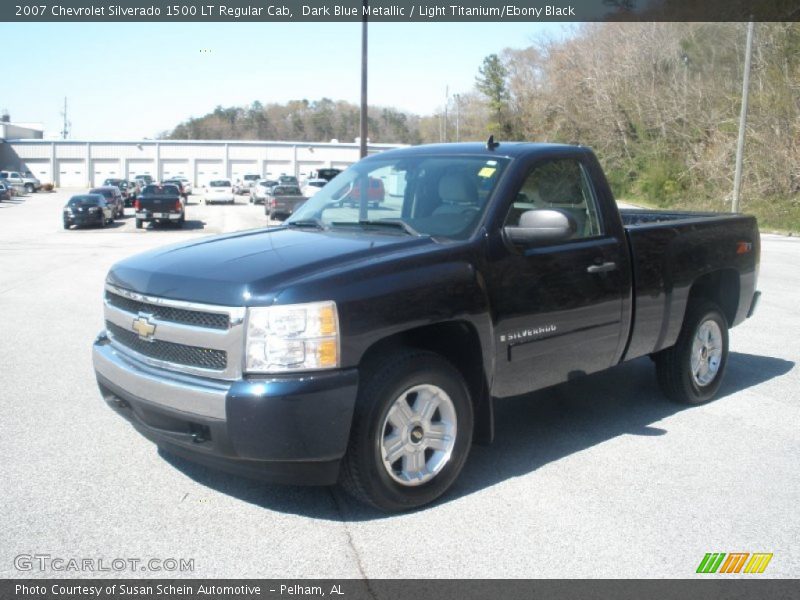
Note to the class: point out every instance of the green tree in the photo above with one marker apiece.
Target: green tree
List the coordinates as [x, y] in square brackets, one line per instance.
[491, 82]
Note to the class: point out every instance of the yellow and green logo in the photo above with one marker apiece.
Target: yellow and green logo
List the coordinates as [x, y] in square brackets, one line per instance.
[734, 562]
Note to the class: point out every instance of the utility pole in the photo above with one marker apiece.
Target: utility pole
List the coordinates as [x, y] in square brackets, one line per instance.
[458, 112]
[363, 123]
[65, 128]
[446, 102]
[737, 177]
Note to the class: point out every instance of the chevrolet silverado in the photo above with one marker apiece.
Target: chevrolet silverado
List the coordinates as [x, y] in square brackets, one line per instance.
[368, 345]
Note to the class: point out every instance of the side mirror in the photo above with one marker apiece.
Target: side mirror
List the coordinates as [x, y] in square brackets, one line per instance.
[541, 226]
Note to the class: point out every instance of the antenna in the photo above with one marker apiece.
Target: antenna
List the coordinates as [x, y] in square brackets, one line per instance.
[67, 122]
[491, 144]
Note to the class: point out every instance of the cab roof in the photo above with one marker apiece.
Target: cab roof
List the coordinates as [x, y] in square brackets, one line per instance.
[501, 149]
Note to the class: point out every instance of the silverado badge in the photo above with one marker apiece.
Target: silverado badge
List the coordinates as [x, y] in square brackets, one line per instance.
[144, 327]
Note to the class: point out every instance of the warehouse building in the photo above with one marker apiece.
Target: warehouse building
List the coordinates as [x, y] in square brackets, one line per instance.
[81, 164]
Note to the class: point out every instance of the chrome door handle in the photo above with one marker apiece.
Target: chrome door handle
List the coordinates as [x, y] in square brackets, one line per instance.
[602, 268]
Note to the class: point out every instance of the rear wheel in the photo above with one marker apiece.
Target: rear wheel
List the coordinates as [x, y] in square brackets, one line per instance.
[691, 371]
[411, 433]
[138, 223]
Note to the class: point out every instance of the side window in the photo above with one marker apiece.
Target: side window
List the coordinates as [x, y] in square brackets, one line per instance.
[562, 185]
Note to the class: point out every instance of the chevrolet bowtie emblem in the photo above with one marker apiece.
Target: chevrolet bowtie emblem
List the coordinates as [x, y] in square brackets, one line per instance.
[144, 327]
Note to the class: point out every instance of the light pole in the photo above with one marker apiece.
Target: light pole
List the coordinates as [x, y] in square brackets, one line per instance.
[446, 102]
[458, 113]
[363, 120]
[737, 176]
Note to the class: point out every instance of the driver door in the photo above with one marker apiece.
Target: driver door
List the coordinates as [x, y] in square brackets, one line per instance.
[558, 307]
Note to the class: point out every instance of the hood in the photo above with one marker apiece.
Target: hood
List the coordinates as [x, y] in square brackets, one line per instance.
[250, 268]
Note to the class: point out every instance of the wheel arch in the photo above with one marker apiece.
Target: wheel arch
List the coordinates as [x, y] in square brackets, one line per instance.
[459, 342]
[721, 287]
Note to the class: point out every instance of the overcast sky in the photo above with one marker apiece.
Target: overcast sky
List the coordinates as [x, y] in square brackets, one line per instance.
[130, 81]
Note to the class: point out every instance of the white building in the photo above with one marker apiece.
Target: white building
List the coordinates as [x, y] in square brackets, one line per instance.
[80, 164]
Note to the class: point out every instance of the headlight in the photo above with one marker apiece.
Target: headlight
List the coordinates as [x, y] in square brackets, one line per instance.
[294, 337]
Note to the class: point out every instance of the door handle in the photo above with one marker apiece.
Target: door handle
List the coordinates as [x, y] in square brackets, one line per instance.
[602, 268]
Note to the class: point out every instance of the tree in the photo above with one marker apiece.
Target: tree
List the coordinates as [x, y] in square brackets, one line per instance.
[491, 82]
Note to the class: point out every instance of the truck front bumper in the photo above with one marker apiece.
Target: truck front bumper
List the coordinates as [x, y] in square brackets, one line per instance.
[290, 430]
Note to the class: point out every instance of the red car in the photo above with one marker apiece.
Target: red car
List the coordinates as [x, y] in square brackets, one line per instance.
[375, 193]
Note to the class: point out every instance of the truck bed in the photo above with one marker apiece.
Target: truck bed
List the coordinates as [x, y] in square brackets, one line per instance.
[669, 251]
[638, 216]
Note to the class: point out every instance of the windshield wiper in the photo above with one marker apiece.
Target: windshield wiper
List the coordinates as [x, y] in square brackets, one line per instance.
[396, 224]
[315, 223]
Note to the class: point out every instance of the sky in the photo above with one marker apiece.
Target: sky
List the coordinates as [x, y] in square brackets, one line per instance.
[135, 80]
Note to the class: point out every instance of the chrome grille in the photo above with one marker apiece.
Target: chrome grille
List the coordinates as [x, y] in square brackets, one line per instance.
[188, 337]
[170, 313]
[180, 354]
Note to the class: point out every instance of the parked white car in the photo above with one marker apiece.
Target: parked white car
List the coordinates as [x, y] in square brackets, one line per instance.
[312, 186]
[187, 185]
[246, 183]
[219, 190]
[258, 193]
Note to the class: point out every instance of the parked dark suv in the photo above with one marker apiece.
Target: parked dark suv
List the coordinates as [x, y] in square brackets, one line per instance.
[113, 197]
[126, 188]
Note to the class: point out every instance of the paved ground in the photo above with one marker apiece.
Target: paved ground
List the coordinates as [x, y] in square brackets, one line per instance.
[598, 478]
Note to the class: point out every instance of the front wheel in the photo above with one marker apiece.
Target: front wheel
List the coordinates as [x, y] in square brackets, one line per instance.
[691, 371]
[411, 433]
[138, 223]
[29, 188]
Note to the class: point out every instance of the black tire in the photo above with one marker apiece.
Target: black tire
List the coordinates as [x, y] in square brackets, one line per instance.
[66, 224]
[363, 473]
[29, 188]
[138, 223]
[674, 365]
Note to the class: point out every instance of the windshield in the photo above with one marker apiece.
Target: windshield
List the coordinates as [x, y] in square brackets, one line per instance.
[252, 177]
[106, 192]
[286, 190]
[434, 195]
[328, 174]
[220, 183]
[84, 201]
[155, 190]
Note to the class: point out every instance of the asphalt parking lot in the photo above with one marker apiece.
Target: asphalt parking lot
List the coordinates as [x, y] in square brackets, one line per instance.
[600, 477]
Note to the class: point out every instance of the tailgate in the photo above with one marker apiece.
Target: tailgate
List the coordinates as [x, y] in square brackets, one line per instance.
[158, 203]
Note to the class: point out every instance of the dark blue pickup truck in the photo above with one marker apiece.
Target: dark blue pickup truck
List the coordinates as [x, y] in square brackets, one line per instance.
[367, 344]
